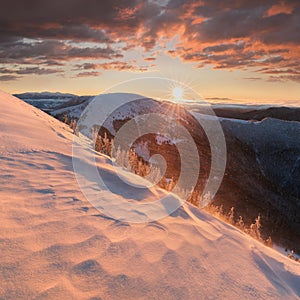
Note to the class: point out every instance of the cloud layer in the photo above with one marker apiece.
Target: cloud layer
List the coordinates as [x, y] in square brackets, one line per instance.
[44, 37]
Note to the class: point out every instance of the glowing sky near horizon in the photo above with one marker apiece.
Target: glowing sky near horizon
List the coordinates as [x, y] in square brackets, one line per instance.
[228, 51]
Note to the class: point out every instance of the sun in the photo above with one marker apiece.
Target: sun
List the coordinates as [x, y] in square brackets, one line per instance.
[177, 93]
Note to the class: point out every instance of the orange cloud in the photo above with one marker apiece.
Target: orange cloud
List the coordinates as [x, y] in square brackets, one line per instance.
[280, 8]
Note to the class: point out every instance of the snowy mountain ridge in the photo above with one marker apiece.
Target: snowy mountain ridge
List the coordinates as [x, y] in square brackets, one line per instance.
[55, 245]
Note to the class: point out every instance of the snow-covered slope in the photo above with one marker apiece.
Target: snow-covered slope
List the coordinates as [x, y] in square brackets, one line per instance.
[55, 245]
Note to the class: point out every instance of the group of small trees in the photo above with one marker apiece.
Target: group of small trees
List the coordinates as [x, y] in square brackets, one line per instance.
[71, 122]
[136, 164]
[103, 144]
[130, 160]
[253, 230]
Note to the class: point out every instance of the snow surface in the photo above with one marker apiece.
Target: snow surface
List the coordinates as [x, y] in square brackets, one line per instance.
[55, 245]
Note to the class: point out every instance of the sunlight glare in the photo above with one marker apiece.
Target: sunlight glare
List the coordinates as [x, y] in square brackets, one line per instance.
[178, 93]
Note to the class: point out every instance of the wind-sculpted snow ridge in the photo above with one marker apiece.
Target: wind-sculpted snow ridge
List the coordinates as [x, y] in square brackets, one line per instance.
[55, 245]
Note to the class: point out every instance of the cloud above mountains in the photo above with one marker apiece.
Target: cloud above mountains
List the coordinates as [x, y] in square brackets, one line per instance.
[46, 35]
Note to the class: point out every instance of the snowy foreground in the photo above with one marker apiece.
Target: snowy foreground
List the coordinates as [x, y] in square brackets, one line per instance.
[55, 245]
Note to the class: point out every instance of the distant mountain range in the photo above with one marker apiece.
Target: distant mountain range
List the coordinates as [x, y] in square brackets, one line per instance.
[44, 95]
[60, 101]
[49, 102]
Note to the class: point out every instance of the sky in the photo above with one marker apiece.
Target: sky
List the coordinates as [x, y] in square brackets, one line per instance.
[231, 50]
